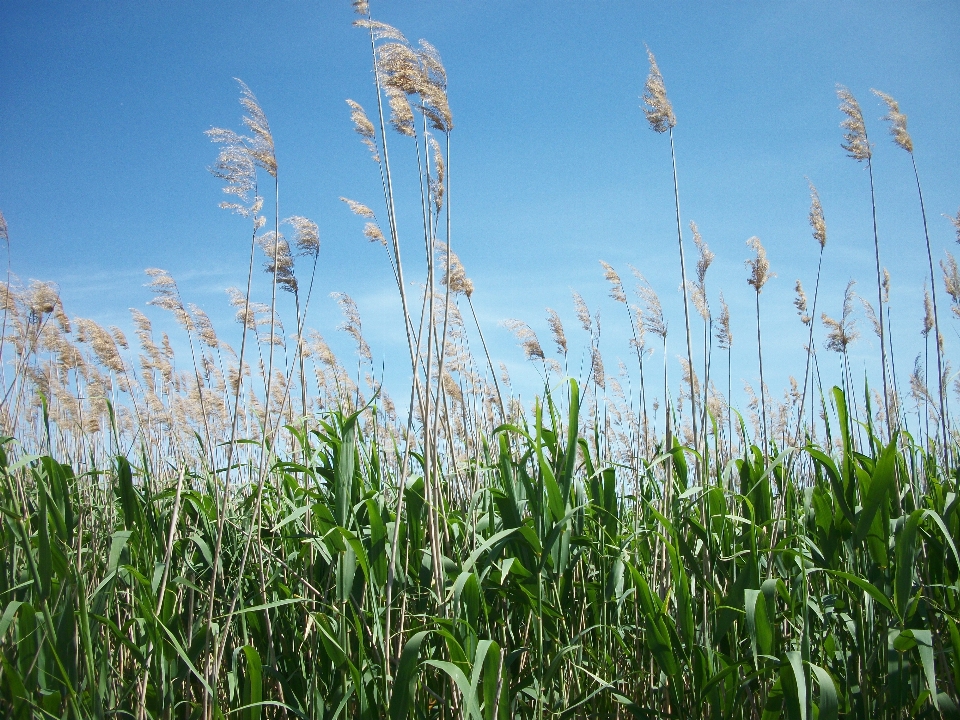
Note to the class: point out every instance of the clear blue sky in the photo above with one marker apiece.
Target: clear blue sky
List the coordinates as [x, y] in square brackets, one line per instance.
[102, 154]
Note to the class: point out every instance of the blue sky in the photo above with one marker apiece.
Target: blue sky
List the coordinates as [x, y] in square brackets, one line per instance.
[102, 154]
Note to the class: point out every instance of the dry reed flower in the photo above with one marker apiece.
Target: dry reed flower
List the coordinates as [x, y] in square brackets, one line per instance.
[41, 299]
[432, 64]
[951, 282]
[364, 128]
[800, 302]
[205, 330]
[652, 318]
[527, 338]
[583, 312]
[358, 208]
[260, 147]
[616, 289]
[380, 31]
[4, 234]
[928, 321]
[724, 335]
[897, 120]
[955, 221]
[596, 368]
[759, 266]
[280, 260]
[855, 138]
[556, 329]
[351, 324]
[102, 343]
[401, 115]
[306, 234]
[842, 332]
[437, 187]
[658, 110]
[871, 315]
[374, 233]
[453, 272]
[817, 221]
[168, 296]
[705, 257]
[885, 284]
[361, 7]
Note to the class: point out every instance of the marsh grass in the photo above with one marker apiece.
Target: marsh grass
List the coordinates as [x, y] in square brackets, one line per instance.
[262, 533]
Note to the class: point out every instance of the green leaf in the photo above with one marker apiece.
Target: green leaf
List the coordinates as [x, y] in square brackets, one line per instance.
[252, 684]
[794, 685]
[829, 705]
[882, 482]
[404, 685]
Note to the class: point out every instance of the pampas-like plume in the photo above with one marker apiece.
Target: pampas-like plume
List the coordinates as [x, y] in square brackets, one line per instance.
[616, 286]
[658, 109]
[168, 296]
[653, 320]
[800, 302]
[280, 260]
[358, 208]
[705, 256]
[759, 266]
[556, 329]
[583, 312]
[351, 324]
[596, 368]
[897, 120]
[817, 221]
[364, 128]
[527, 337]
[380, 30]
[374, 234]
[306, 234]
[955, 221]
[724, 335]
[855, 138]
[842, 332]
[928, 321]
[260, 147]
[453, 272]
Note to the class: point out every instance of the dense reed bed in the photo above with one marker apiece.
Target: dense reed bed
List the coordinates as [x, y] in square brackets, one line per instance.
[257, 530]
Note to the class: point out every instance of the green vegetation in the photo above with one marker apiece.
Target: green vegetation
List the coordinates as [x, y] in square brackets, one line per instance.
[259, 536]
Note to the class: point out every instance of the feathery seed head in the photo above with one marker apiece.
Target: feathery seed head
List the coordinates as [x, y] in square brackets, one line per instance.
[759, 266]
[800, 302]
[279, 259]
[306, 234]
[596, 368]
[855, 138]
[897, 120]
[437, 186]
[616, 289]
[928, 320]
[374, 234]
[379, 30]
[955, 221]
[358, 208]
[556, 329]
[4, 236]
[885, 284]
[840, 333]
[583, 313]
[453, 272]
[351, 324]
[527, 338]
[361, 7]
[705, 256]
[401, 115]
[724, 336]
[658, 110]
[817, 222]
[260, 146]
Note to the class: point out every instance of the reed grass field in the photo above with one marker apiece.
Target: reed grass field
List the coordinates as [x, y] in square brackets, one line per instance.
[237, 523]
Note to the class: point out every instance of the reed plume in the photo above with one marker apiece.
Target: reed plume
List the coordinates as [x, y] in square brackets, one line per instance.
[857, 145]
[759, 276]
[659, 113]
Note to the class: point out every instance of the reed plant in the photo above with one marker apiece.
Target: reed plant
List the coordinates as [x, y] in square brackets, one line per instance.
[265, 533]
